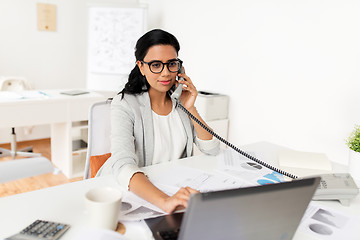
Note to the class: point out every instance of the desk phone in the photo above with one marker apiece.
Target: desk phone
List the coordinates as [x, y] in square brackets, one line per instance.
[41, 230]
[336, 186]
[176, 92]
[332, 187]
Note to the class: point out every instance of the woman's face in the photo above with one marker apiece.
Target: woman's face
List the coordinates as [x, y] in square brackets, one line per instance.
[163, 81]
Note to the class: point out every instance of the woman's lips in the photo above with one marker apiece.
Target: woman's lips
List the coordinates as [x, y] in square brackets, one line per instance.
[165, 82]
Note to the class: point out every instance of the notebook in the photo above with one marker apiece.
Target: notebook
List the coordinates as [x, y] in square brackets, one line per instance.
[262, 212]
[304, 163]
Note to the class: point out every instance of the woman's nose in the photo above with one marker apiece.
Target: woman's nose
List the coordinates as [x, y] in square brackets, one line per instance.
[165, 71]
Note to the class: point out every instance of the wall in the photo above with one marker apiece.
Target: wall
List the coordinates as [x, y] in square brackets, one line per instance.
[290, 67]
[50, 60]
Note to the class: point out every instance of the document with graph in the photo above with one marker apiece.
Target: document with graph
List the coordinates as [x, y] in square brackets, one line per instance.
[175, 178]
[240, 167]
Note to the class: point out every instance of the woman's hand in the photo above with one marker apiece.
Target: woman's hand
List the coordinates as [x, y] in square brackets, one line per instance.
[189, 92]
[187, 99]
[179, 200]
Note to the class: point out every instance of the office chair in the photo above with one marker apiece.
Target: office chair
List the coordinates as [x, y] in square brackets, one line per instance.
[99, 129]
[24, 168]
[16, 84]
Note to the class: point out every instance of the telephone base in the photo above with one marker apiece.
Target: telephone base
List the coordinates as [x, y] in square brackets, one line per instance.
[344, 202]
[337, 186]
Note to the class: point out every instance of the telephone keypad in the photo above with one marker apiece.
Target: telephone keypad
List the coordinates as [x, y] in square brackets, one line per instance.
[322, 184]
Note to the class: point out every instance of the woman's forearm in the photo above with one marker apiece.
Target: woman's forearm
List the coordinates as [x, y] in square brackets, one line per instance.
[201, 133]
[141, 186]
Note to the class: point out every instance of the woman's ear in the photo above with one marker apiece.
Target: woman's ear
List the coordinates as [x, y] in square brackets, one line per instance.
[140, 66]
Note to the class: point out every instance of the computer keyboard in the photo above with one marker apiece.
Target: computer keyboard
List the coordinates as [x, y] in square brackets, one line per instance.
[169, 235]
[41, 230]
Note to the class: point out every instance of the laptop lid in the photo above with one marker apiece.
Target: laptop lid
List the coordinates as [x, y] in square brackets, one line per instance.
[262, 212]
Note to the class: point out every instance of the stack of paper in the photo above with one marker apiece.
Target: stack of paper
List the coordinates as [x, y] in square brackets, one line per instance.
[304, 163]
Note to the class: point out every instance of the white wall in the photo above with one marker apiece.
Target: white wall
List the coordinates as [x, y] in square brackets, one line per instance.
[290, 67]
[50, 60]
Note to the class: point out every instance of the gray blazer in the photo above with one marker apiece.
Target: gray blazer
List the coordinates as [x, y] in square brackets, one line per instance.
[132, 139]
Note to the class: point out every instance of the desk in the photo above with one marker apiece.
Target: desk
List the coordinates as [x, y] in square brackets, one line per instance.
[65, 203]
[61, 112]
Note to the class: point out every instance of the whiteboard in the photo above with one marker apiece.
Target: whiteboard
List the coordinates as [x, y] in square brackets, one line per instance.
[113, 32]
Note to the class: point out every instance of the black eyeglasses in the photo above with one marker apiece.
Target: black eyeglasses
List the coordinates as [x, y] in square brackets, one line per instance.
[158, 66]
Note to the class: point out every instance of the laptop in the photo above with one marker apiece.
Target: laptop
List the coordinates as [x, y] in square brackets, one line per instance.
[262, 212]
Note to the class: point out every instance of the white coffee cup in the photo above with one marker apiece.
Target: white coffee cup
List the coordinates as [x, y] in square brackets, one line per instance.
[103, 207]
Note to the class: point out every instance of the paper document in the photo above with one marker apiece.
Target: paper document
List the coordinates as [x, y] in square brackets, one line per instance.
[234, 171]
[8, 96]
[248, 171]
[134, 208]
[11, 96]
[325, 223]
[175, 178]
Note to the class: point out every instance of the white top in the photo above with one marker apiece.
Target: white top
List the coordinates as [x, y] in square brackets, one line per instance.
[169, 137]
[132, 137]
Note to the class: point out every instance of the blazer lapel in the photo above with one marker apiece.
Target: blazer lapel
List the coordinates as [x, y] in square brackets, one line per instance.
[146, 114]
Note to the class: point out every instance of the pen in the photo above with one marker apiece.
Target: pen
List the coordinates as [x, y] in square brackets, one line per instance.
[44, 93]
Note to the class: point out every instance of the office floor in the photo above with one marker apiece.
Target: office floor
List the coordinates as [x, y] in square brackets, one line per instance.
[42, 146]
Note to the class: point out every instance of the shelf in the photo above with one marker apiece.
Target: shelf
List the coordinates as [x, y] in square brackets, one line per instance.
[68, 123]
[80, 124]
[83, 150]
[79, 133]
[80, 127]
[78, 164]
[79, 145]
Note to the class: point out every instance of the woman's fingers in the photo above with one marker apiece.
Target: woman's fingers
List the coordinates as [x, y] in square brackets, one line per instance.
[183, 193]
[188, 86]
[191, 190]
[180, 199]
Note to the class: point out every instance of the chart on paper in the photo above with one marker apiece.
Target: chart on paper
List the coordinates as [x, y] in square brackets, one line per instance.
[237, 165]
[178, 177]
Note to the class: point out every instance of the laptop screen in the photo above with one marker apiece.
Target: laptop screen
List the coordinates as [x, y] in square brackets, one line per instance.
[262, 212]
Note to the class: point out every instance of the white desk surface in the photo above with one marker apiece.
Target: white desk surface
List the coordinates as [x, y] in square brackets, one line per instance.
[57, 108]
[65, 203]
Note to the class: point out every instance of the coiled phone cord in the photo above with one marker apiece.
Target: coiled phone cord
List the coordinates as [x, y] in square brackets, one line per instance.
[178, 104]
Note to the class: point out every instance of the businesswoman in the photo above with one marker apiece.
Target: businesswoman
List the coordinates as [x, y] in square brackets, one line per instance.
[147, 128]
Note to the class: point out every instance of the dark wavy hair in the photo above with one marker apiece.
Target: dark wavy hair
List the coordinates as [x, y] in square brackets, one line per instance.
[137, 83]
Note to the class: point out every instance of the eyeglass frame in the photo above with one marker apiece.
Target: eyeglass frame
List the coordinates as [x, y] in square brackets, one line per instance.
[163, 65]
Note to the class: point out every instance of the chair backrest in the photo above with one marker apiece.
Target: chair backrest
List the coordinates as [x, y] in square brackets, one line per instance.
[24, 168]
[99, 132]
[14, 84]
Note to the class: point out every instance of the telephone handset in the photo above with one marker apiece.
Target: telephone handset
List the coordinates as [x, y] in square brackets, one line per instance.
[177, 92]
[176, 95]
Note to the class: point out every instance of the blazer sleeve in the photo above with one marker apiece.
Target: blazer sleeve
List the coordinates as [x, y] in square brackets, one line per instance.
[209, 147]
[123, 163]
